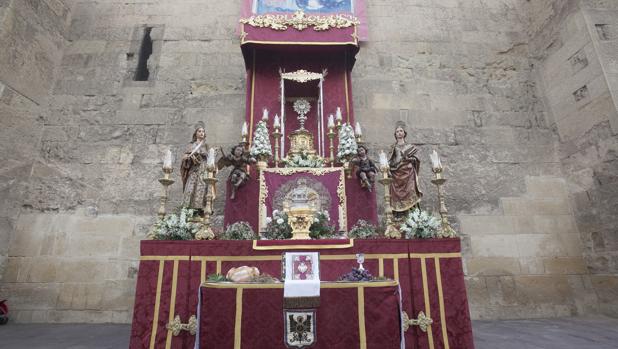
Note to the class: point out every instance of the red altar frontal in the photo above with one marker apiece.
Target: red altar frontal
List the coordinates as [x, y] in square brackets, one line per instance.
[429, 273]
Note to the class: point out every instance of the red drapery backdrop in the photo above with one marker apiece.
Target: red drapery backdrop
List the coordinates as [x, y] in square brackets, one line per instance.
[429, 271]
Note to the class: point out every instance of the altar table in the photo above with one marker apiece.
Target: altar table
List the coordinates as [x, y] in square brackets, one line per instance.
[351, 315]
[429, 273]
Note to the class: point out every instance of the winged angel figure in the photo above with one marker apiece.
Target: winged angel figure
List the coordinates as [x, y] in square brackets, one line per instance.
[300, 329]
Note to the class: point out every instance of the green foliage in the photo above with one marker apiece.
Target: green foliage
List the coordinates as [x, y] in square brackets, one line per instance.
[321, 228]
[176, 226]
[216, 278]
[238, 231]
[277, 227]
[363, 230]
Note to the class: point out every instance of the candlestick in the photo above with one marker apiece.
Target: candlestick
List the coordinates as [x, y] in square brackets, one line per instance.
[331, 121]
[435, 161]
[205, 232]
[447, 231]
[277, 123]
[277, 136]
[166, 181]
[331, 137]
[265, 115]
[358, 132]
[338, 117]
[383, 160]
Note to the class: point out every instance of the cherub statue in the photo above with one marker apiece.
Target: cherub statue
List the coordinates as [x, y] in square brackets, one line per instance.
[239, 158]
[366, 169]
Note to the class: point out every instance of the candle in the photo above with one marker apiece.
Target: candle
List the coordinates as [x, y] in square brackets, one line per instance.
[167, 161]
[383, 160]
[265, 115]
[339, 116]
[277, 124]
[435, 160]
[244, 132]
[211, 158]
[331, 121]
[358, 130]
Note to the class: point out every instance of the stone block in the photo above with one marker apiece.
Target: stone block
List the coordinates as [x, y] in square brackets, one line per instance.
[31, 296]
[494, 245]
[118, 295]
[80, 245]
[492, 266]
[81, 270]
[111, 226]
[476, 225]
[565, 265]
[80, 316]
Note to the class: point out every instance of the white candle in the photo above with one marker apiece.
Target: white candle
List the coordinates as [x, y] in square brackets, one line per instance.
[265, 115]
[383, 160]
[245, 130]
[358, 130]
[338, 115]
[331, 121]
[167, 161]
[211, 158]
[277, 124]
[435, 160]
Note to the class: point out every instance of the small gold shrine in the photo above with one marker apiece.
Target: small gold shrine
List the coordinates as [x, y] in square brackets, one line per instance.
[301, 141]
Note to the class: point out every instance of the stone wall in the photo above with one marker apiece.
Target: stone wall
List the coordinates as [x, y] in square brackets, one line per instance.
[31, 37]
[461, 74]
[576, 54]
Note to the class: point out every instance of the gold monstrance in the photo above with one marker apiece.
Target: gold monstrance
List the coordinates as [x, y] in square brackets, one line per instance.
[301, 140]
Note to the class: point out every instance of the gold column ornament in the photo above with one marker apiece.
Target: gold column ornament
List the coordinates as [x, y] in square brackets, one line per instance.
[277, 136]
[300, 220]
[331, 137]
[166, 181]
[391, 231]
[205, 232]
[176, 326]
[447, 231]
[422, 321]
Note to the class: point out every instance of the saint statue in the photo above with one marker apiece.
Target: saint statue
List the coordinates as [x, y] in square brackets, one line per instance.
[192, 166]
[404, 167]
[239, 158]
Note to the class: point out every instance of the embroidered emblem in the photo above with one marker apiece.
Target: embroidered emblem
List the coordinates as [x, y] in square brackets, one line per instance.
[300, 329]
[303, 268]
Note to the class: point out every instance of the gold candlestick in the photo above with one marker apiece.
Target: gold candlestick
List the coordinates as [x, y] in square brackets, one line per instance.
[277, 136]
[447, 231]
[331, 137]
[206, 233]
[166, 181]
[391, 230]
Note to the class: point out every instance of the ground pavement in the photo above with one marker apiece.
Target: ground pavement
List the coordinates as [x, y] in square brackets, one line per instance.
[562, 333]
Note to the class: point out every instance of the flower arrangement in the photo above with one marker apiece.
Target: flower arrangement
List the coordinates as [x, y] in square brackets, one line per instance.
[420, 224]
[356, 275]
[175, 226]
[321, 228]
[347, 143]
[261, 148]
[303, 160]
[363, 230]
[277, 227]
[238, 231]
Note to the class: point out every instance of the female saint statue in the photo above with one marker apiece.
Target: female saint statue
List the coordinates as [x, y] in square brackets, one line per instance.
[192, 166]
[404, 166]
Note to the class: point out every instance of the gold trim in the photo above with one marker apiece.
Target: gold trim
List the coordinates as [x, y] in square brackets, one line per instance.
[176, 326]
[300, 21]
[155, 317]
[202, 271]
[441, 302]
[426, 299]
[396, 269]
[290, 247]
[323, 257]
[287, 171]
[423, 322]
[324, 284]
[252, 99]
[381, 267]
[238, 321]
[361, 318]
[168, 340]
[308, 43]
[218, 269]
[164, 258]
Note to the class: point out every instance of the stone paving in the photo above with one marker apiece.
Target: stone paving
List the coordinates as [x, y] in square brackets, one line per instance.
[562, 333]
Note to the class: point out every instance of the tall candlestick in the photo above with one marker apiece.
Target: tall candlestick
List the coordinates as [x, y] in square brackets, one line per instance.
[277, 123]
[245, 130]
[338, 117]
[265, 115]
[435, 161]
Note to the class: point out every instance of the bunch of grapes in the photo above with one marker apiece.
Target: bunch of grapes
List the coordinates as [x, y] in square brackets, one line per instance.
[357, 275]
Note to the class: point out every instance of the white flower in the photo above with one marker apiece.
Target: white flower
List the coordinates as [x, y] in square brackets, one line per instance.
[280, 221]
[268, 220]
